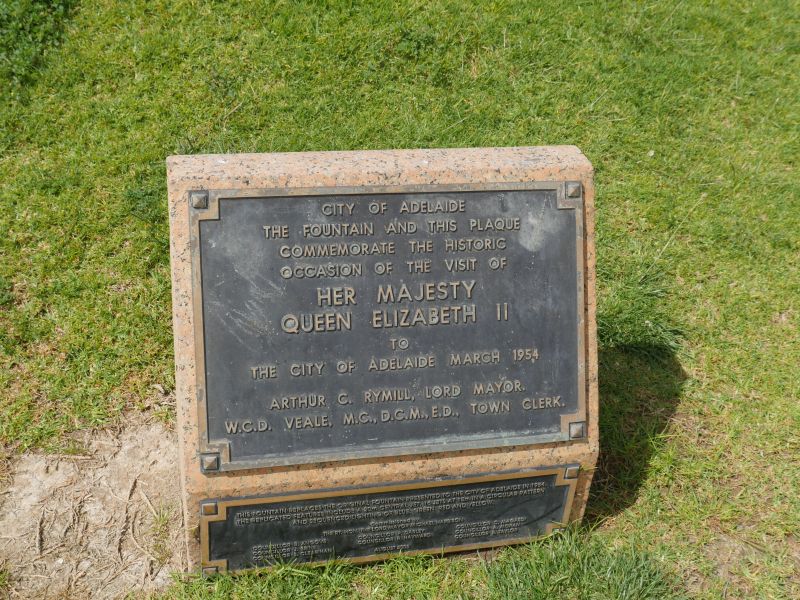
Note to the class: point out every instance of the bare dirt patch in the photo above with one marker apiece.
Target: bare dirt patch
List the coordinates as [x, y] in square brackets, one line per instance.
[99, 524]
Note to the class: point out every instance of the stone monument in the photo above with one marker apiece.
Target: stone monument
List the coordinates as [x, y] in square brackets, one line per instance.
[381, 352]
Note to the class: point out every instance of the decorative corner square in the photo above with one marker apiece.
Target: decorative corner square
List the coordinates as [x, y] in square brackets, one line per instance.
[208, 509]
[577, 430]
[574, 189]
[571, 472]
[209, 462]
[210, 571]
[198, 199]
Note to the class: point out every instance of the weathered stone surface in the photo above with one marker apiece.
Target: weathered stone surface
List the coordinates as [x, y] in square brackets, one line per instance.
[508, 327]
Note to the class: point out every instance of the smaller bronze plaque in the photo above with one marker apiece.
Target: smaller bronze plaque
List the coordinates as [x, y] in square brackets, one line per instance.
[372, 523]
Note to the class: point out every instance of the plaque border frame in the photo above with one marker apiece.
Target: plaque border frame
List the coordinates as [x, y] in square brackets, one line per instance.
[564, 477]
[215, 455]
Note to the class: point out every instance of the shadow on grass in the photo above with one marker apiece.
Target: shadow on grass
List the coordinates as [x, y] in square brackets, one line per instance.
[640, 387]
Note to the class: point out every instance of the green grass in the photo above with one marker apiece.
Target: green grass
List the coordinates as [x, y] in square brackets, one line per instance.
[567, 566]
[688, 110]
[3, 579]
[28, 29]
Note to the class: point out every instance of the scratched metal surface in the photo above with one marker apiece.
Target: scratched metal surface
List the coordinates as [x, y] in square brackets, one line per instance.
[245, 298]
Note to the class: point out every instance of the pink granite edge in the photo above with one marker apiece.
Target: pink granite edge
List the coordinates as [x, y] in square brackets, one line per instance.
[377, 167]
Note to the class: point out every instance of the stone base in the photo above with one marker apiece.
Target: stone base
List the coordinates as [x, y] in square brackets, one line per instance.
[324, 173]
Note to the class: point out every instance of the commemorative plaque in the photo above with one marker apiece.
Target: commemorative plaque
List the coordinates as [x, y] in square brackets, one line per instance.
[372, 343]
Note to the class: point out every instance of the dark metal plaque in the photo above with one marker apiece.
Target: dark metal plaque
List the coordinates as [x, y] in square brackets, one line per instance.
[372, 523]
[376, 324]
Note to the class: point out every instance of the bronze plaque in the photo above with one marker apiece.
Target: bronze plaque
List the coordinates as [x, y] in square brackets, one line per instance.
[371, 523]
[356, 325]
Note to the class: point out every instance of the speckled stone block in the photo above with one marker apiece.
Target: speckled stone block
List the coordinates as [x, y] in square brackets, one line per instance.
[215, 486]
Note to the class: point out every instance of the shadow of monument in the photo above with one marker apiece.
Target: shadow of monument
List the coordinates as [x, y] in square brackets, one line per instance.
[640, 387]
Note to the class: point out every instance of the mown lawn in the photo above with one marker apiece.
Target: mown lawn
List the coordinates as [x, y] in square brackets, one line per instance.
[689, 112]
